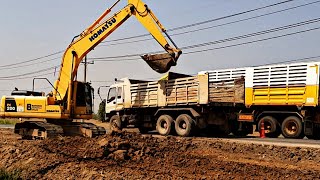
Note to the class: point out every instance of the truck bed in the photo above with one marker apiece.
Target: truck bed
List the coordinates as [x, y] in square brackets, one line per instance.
[186, 91]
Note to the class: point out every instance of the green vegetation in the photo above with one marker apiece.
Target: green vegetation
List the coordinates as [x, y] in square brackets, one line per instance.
[9, 121]
[5, 175]
[102, 111]
[95, 116]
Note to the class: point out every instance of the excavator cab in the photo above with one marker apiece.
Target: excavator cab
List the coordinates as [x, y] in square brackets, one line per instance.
[83, 97]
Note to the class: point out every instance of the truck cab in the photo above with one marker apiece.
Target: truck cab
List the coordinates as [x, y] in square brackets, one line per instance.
[115, 97]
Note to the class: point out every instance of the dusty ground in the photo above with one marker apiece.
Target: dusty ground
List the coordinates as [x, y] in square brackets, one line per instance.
[132, 156]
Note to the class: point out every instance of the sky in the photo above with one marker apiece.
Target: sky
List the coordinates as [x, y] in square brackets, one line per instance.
[32, 29]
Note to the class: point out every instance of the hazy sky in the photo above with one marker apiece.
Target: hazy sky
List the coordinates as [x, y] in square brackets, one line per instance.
[30, 29]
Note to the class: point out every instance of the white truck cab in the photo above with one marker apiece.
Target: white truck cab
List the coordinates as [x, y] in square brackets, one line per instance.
[115, 98]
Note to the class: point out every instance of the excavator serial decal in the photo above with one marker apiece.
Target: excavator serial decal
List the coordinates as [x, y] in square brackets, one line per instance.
[101, 30]
[11, 105]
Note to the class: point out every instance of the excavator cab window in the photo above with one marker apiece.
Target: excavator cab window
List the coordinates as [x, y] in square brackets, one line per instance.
[111, 95]
[84, 95]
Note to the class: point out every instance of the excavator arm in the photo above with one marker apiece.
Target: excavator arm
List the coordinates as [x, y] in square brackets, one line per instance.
[99, 30]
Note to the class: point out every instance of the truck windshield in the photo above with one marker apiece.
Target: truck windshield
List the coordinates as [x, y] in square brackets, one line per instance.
[111, 95]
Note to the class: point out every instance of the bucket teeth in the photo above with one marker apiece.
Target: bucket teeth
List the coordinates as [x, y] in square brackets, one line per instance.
[160, 63]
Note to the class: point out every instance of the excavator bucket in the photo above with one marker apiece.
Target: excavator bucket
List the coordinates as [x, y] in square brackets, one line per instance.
[161, 63]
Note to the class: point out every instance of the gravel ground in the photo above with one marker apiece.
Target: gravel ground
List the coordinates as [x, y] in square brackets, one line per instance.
[124, 155]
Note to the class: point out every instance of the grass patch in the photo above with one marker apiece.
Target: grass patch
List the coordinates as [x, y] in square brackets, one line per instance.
[5, 175]
[9, 121]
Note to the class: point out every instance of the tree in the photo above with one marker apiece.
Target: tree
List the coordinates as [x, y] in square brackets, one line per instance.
[102, 111]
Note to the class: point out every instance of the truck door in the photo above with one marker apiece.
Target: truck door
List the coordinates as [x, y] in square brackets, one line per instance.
[119, 99]
[114, 99]
[111, 100]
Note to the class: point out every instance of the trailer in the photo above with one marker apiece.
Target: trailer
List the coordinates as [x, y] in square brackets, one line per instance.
[284, 96]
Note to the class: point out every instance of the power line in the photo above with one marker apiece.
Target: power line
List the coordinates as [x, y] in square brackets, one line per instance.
[303, 23]
[97, 59]
[198, 51]
[15, 67]
[128, 57]
[293, 60]
[31, 60]
[251, 42]
[27, 77]
[203, 22]
[34, 72]
[215, 26]
[151, 79]
[100, 81]
[173, 29]
[199, 45]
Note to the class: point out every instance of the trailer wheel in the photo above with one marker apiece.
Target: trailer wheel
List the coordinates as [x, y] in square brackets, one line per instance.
[165, 125]
[184, 125]
[115, 123]
[272, 130]
[292, 127]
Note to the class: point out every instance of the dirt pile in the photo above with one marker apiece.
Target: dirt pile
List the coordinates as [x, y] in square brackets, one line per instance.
[132, 146]
[123, 155]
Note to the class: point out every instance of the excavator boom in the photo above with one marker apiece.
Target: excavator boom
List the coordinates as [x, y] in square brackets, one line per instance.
[98, 31]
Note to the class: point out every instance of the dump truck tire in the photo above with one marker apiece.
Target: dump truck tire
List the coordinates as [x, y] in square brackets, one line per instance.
[115, 122]
[292, 128]
[184, 125]
[271, 126]
[165, 125]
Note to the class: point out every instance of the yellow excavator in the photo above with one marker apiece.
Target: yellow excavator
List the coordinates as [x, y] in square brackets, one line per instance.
[71, 99]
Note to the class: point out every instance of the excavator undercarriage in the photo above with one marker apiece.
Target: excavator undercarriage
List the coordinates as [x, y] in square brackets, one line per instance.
[43, 130]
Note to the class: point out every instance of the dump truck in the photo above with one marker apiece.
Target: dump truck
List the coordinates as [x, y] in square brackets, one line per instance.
[178, 104]
[284, 96]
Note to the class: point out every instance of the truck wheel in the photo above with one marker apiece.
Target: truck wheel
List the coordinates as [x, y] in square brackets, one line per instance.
[165, 125]
[115, 123]
[272, 130]
[292, 127]
[184, 125]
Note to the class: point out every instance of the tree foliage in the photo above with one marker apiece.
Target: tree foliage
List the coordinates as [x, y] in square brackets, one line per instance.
[102, 111]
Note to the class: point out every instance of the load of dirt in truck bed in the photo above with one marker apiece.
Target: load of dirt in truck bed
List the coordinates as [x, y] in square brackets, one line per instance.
[123, 155]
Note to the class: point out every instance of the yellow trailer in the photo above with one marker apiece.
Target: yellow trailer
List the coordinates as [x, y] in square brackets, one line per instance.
[284, 96]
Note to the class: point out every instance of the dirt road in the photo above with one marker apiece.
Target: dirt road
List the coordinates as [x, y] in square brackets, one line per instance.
[132, 156]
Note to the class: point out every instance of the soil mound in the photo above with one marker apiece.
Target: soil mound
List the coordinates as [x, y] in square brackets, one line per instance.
[124, 155]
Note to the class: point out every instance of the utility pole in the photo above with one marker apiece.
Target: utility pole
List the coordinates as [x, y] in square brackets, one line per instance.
[86, 68]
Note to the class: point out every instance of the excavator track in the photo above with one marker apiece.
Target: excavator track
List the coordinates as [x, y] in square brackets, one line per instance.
[89, 129]
[37, 130]
[43, 130]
